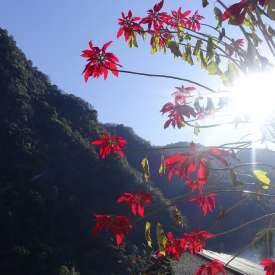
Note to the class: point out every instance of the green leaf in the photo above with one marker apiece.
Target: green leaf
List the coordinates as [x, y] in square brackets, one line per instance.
[213, 69]
[210, 48]
[146, 169]
[148, 234]
[174, 47]
[132, 41]
[161, 239]
[205, 3]
[218, 15]
[262, 178]
[247, 22]
[196, 51]
[230, 74]
[203, 61]
[187, 55]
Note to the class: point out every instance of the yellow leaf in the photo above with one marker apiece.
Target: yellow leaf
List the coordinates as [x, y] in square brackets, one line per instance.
[161, 239]
[262, 178]
[146, 170]
[162, 167]
[196, 131]
[148, 234]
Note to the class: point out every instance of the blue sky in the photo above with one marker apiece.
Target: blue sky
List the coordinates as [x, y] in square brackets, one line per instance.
[53, 33]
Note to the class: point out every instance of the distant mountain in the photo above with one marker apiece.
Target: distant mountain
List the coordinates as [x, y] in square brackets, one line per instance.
[52, 181]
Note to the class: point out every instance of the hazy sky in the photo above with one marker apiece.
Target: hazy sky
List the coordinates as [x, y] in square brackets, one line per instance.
[52, 33]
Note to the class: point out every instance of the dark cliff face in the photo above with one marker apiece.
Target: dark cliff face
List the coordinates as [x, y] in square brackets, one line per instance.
[52, 181]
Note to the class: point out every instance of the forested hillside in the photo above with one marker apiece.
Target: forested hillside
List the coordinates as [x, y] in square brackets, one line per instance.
[52, 180]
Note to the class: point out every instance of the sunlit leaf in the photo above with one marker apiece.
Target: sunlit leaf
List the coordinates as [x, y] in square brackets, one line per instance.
[161, 239]
[148, 234]
[210, 48]
[262, 178]
[146, 169]
[213, 68]
[177, 217]
[196, 51]
[196, 131]
[174, 47]
[162, 166]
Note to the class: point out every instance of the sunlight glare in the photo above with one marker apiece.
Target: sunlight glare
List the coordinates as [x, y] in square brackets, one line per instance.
[253, 97]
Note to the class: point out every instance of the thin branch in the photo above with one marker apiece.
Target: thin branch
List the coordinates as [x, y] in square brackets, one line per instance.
[243, 165]
[164, 76]
[237, 228]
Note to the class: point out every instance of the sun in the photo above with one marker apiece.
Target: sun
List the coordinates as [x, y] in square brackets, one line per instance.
[253, 97]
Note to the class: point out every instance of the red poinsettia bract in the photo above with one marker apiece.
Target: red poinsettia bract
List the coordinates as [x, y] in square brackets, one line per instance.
[179, 18]
[182, 93]
[99, 61]
[176, 114]
[193, 22]
[174, 247]
[120, 225]
[136, 201]
[156, 18]
[213, 268]
[188, 165]
[219, 154]
[202, 176]
[129, 26]
[206, 202]
[195, 241]
[269, 266]
[109, 144]
[238, 11]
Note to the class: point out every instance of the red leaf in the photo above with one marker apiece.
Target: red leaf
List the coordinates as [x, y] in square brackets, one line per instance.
[213, 268]
[136, 201]
[109, 144]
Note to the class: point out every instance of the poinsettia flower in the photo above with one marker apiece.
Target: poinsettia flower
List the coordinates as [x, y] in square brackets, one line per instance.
[219, 154]
[136, 201]
[201, 177]
[159, 39]
[156, 18]
[99, 61]
[109, 144]
[174, 247]
[212, 268]
[195, 241]
[129, 25]
[120, 225]
[182, 93]
[269, 266]
[176, 114]
[238, 11]
[179, 18]
[206, 202]
[193, 22]
[235, 46]
[188, 165]
[264, 2]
